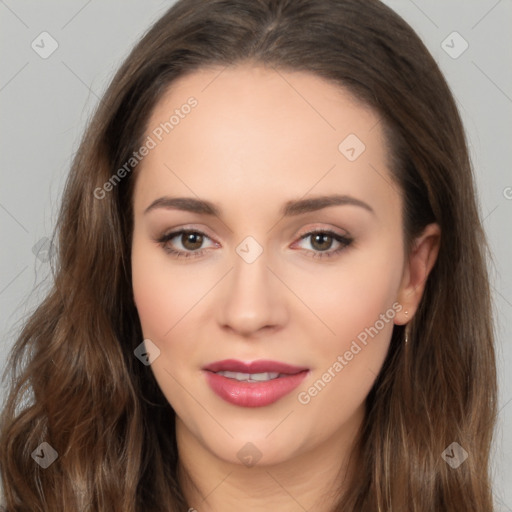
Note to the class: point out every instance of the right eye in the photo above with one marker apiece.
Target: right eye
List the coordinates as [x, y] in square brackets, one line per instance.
[190, 240]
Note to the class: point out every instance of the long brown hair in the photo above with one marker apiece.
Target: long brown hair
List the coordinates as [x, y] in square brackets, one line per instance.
[75, 382]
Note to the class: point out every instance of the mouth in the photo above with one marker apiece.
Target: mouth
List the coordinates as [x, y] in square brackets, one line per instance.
[253, 384]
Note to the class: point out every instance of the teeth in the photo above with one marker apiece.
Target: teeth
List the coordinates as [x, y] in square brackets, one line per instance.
[250, 377]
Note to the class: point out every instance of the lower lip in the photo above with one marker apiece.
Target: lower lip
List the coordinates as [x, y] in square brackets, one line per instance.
[253, 394]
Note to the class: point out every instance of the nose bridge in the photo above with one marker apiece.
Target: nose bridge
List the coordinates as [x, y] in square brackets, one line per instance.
[252, 300]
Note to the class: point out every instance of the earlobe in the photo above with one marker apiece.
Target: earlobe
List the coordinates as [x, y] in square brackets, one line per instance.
[418, 267]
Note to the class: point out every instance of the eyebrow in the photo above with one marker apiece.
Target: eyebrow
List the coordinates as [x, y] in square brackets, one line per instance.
[289, 209]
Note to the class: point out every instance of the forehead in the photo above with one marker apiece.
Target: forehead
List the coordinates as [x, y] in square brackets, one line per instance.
[265, 131]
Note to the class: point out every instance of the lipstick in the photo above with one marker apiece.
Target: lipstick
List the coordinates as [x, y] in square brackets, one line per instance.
[253, 384]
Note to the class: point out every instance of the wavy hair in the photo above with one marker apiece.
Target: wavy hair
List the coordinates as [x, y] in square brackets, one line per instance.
[74, 381]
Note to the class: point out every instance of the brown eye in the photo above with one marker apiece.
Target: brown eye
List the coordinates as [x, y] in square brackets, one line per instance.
[191, 240]
[321, 241]
[184, 243]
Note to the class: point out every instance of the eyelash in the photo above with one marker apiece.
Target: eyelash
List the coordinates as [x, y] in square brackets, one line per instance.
[163, 240]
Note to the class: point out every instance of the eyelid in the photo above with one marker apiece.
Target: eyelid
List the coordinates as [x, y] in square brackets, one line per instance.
[176, 232]
[188, 227]
[323, 228]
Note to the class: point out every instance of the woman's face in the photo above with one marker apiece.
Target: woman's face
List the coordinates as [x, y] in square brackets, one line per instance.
[276, 156]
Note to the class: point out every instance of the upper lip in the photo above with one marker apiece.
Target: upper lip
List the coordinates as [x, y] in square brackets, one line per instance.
[259, 366]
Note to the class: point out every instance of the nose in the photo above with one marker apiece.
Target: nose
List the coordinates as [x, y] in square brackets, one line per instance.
[253, 299]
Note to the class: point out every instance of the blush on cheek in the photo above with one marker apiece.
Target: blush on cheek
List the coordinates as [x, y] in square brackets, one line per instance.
[157, 313]
[365, 328]
[163, 298]
[153, 309]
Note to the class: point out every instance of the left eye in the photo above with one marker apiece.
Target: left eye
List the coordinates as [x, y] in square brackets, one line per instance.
[191, 242]
[319, 238]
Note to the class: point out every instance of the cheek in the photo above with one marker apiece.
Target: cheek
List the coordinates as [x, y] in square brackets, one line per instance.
[358, 303]
[352, 298]
[349, 361]
[162, 299]
[162, 293]
[153, 297]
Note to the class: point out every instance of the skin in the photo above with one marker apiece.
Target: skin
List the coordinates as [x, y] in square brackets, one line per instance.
[257, 139]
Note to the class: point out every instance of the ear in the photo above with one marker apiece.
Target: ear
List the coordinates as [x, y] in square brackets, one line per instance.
[416, 271]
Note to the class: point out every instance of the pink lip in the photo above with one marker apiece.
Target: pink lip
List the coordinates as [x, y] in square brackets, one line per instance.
[253, 394]
[259, 366]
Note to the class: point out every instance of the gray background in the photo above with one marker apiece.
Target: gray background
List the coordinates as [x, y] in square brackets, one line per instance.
[45, 104]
